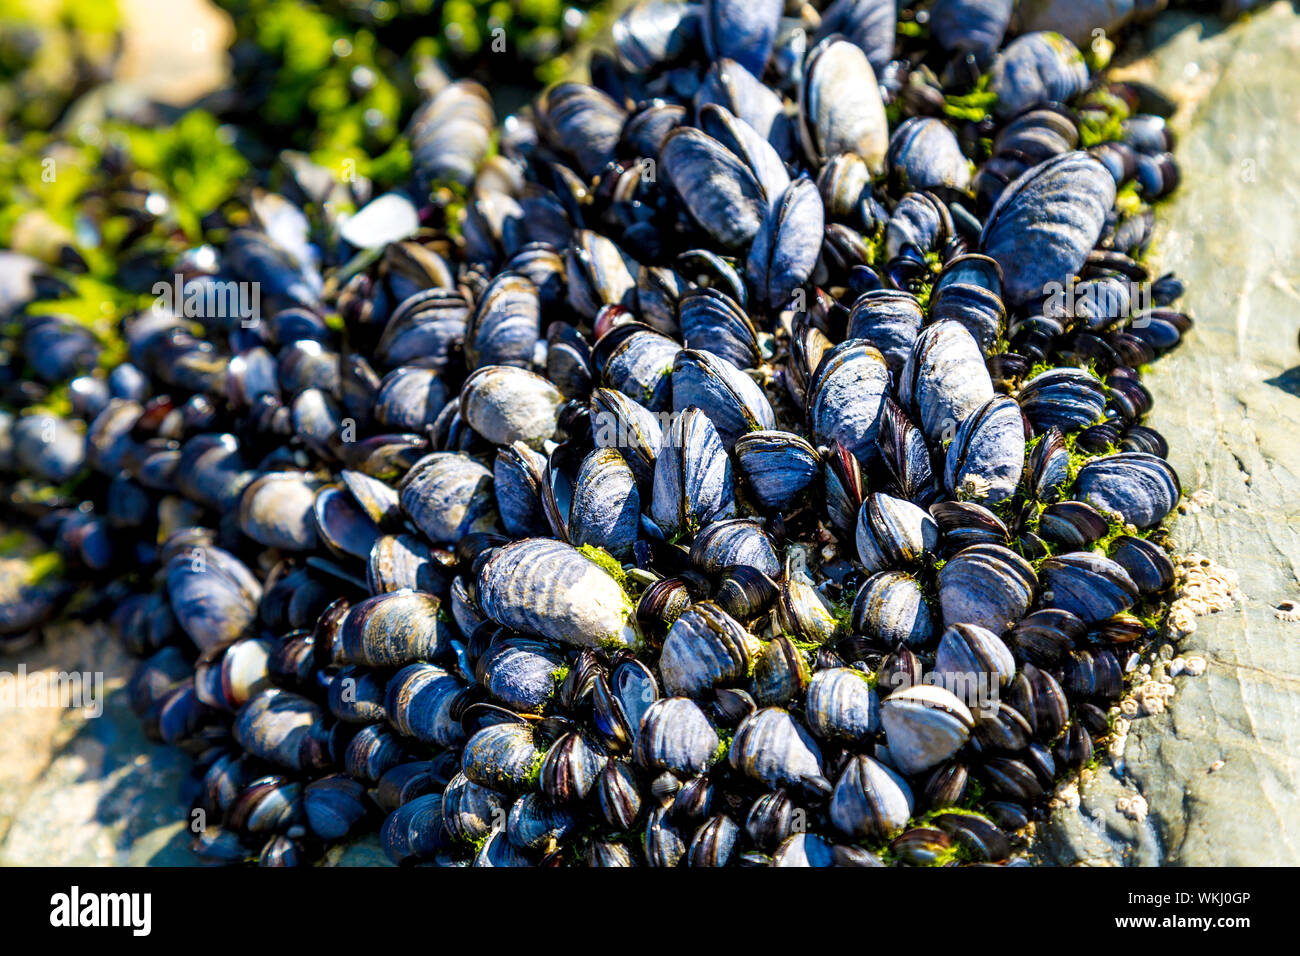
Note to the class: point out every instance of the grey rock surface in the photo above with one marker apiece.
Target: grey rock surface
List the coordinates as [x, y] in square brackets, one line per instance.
[1219, 770]
[81, 785]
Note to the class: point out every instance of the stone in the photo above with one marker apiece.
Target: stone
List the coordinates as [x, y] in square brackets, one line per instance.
[84, 790]
[1228, 401]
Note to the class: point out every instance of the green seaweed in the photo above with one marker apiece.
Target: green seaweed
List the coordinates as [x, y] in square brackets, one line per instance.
[606, 562]
[975, 106]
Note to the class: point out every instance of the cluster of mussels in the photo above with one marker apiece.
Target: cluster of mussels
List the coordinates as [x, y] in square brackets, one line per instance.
[742, 463]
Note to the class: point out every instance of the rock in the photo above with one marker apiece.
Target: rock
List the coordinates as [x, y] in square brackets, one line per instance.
[1219, 768]
[84, 790]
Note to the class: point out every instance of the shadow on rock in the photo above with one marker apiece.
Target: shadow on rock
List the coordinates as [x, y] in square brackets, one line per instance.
[1288, 381]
